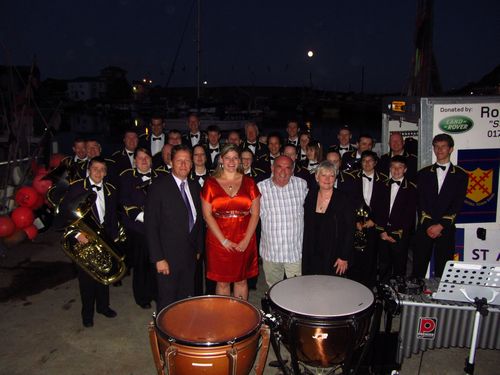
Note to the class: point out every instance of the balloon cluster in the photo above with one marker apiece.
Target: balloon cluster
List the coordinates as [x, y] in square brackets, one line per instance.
[19, 225]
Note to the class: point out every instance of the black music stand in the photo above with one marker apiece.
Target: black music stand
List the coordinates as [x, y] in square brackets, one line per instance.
[477, 284]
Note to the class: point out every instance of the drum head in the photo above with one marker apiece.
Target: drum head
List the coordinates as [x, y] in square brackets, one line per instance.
[321, 296]
[209, 320]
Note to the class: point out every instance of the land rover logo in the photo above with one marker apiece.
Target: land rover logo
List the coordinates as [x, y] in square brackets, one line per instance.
[456, 124]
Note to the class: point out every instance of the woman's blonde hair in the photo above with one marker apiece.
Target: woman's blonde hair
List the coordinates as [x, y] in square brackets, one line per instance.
[225, 150]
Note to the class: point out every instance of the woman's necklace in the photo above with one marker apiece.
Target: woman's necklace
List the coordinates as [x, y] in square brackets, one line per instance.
[323, 203]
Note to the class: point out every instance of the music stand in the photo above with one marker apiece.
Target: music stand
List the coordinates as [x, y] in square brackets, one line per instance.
[477, 284]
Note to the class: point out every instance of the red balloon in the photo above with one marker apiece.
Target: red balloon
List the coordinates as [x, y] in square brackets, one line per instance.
[40, 185]
[7, 226]
[27, 196]
[41, 171]
[31, 232]
[39, 202]
[22, 217]
[55, 160]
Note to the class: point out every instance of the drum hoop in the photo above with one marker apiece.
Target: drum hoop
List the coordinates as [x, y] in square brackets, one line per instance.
[209, 344]
[319, 319]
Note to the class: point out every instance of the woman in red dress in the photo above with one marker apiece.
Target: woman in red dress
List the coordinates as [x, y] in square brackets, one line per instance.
[231, 203]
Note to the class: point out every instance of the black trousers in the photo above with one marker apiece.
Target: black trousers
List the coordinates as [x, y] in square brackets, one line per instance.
[174, 287]
[443, 246]
[392, 258]
[363, 264]
[143, 277]
[92, 294]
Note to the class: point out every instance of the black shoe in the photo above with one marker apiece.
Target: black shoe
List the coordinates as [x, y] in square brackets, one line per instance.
[88, 323]
[109, 313]
[145, 306]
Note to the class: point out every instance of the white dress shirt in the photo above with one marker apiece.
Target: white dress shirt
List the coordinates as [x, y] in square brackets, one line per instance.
[178, 181]
[101, 206]
[394, 193]
[441, 175]
[157, 145]
[368, 188]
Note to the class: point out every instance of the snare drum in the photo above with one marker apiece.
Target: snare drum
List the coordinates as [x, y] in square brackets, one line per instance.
[208, 335]
[321, 320]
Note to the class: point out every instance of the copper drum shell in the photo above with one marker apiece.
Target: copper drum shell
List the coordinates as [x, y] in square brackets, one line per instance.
[323, 343]
[207, 335]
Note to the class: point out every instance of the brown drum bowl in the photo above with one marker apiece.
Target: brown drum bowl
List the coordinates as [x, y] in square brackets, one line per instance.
[206, 335]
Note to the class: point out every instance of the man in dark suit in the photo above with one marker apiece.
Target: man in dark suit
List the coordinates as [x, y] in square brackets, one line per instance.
[396, 145]
[214, 146]
[104, 214]
[174, 229]
[195, 136]
[292, 130]
[266, 161]
[394, 214]
[74, 162]
[344, 145]
[441, 192]
[134, 185]
[251, 141]
[367, 188]
[124, 159]
[299, 171]
[155, 139]
[352, 160]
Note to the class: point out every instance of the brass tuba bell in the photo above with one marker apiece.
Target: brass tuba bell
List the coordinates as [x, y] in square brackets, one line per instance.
[99, 257]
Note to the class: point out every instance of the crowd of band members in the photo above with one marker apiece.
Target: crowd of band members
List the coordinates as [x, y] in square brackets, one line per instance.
[338, 181]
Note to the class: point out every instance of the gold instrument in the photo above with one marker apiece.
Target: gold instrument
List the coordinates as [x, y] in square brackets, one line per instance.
[99, 256]
[360, 240]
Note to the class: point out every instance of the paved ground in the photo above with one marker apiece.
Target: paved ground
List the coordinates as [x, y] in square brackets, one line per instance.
[41, 330]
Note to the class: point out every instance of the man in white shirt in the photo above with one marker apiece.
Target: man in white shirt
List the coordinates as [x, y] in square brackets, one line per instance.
[282, 220]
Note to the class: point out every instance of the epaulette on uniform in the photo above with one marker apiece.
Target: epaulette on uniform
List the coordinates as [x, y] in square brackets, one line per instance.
[349, 173]
[130, 170]
[110, 185]
[74, 182]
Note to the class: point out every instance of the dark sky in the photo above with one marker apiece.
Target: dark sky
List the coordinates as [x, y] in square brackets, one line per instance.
[251, 42]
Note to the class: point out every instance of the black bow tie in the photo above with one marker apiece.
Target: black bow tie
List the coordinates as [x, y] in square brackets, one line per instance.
[313, 164]
[156, 138]
[212, 150]
[98, 188]
[251, 143]
[78, 160]
[443, 167]
[145, 174]
[344, 148]
[365, 176]
[130, 153]
[391, 181]
[194, 135]
[292, 142]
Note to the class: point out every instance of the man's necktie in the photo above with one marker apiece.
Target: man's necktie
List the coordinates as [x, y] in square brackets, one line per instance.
[365, 176]
[194, 135]
[156, 138]
[188, 206]
[443, 167]
[391, 181]
[98, 188]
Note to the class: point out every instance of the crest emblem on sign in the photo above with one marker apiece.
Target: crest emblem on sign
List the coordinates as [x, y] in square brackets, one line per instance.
[480, 184]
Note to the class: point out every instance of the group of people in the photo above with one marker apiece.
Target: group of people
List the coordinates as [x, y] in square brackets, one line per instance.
[198, 212]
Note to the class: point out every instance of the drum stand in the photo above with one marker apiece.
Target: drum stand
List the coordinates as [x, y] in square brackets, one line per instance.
[476, 284]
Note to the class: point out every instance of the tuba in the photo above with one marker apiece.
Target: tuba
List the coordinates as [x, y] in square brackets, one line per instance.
[99, 257]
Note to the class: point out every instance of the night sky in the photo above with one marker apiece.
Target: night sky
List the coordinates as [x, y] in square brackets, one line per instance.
[251, 42]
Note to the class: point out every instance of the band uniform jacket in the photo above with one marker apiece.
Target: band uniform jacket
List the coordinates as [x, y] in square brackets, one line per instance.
[336, 147]
[303, 173]
[145, 142]
[258, 174]
[186, 139]
[166, 223]
[200, 179]
[379, 185]
[350, 161]
[401, 220]
[133, 193]
[77, 191]
[384, 165]
[73, 167]
[260, 149]
[444, 207]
